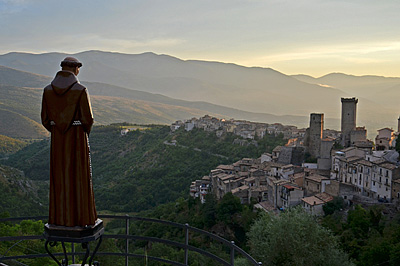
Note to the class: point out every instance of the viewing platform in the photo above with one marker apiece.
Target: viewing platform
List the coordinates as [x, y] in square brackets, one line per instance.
[186, 243]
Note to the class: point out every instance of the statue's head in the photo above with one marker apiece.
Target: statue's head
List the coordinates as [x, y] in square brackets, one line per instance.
[71, 64]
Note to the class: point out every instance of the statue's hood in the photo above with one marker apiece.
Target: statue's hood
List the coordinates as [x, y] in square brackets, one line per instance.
[63, 81]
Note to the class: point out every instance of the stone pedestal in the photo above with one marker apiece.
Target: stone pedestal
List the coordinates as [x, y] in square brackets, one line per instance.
[76, 234]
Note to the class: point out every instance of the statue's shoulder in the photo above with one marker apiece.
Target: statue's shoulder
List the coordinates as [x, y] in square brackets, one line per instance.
[78, 86]
[48, 88]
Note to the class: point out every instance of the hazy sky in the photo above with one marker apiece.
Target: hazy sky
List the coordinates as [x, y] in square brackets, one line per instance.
[313, 37]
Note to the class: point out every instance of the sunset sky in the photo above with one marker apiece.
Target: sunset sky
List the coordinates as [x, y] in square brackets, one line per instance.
[314, 37]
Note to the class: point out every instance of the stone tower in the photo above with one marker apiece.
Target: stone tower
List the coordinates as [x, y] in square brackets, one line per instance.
[349, 115]
[315, 134]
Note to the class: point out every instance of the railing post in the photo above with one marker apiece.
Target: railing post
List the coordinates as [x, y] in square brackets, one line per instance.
[186, 244]
[73, 252]
[127, 240]
[232, 253]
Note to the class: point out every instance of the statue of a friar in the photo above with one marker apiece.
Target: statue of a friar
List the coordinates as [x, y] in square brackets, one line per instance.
[67, 114]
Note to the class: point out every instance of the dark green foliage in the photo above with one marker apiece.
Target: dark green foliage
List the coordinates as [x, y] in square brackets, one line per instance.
[227, 207]
[19, 196]
[397, 146]
[198, 215]
[294, 238]
[335, 205]
[139, 171]
[367, 236]
[309, 159]
[210, 143]
[14, 248]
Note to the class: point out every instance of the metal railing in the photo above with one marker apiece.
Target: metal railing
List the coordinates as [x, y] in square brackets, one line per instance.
[234, 250]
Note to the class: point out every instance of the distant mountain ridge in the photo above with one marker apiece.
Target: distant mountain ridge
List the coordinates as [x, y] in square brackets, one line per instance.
[111, 104]
[261, 90]
[254, 90]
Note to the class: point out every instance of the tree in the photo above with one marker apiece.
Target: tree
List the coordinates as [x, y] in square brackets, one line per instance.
[335, 205]
[397, 146]
[227, 207]
[294, 238]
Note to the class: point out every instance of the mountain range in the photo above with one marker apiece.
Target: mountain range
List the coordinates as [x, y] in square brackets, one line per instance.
[20, 106]
[151, 88]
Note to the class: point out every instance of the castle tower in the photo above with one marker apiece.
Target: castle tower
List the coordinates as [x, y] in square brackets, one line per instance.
[349, 115]
[315, 134]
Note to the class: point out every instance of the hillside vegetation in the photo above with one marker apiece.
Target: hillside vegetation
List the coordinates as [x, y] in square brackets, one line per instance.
[19, 195]
[9, 145]
[139, 171]
[18, 126]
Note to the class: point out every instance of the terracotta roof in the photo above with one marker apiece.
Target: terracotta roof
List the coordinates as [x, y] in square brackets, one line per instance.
[379, 161]
[386, 128]
[260, 189]
[225, 167]
[280, 181]
[324, 196]
[348, 149]
[277, 149]
[226, 177]
[239, 189]
[388, 165]
[288, 186]
[313, 201]
[365, 162]
[316, 178]
[353, 159]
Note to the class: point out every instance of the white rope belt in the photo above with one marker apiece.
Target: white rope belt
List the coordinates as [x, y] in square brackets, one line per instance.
[75, 123]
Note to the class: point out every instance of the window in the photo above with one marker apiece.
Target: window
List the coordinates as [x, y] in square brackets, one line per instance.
[380, 179]
[387, 173]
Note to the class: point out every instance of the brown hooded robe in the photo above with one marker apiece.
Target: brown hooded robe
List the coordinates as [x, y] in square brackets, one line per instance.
[65, 102]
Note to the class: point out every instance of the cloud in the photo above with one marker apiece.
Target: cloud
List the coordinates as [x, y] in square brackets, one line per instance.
[354, 52]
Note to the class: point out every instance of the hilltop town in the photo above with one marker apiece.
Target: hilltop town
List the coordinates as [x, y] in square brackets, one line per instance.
[315, 166]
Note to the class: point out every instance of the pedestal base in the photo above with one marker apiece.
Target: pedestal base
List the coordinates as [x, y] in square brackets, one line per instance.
[76, 234]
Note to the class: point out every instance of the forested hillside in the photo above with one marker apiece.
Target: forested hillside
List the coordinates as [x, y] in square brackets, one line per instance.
[142, 169]
[19, 195]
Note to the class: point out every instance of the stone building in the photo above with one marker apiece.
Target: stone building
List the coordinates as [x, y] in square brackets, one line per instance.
[384, 139]
[315, 132]
[348, 122]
